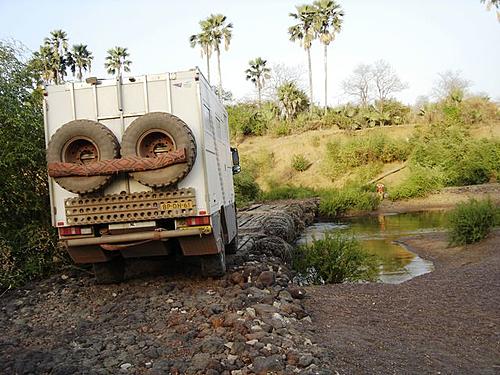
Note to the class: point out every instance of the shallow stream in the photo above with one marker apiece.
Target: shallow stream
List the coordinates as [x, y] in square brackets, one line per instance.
[378, 235]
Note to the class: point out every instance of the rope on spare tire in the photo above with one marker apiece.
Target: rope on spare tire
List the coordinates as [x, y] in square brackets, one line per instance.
[115, 166]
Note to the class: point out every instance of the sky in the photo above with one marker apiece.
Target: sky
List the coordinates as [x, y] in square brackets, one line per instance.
[418, 38]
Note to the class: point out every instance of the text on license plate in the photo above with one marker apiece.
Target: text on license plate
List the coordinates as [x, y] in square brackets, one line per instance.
[176, 205]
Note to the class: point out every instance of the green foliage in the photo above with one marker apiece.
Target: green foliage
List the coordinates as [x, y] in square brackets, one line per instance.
[300, 163]
[291, 100]
[334, 203]
[462, 159]
[246, 119]
[335, 259]
[289, 192]
[26, 236]
[354, 117]
[245, 188]
[420, 183]
[471, 221]
[362, 150]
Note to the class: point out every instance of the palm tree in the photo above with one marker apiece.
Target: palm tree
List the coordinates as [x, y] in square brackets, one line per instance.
[116, 60]
[304, 32]
[327, 22]
[203, 39]
[291, 100]
[258, 73]
[46, 59]
[81, 60]
[58, 45]
[219, 31]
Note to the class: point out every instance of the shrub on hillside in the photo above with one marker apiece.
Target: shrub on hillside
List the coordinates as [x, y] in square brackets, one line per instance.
[300, 163]
[246, 119]
[289, 192]
[335, 259]
[334, 203]
[462, 159]
[471, 221]
[245, 188]
[362, 150]
[420, 183]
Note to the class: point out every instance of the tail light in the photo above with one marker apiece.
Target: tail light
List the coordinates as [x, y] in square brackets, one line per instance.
[74, 231]
[193, 221]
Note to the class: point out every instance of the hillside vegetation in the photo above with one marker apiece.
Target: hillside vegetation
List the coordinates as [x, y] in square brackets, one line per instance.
[452, 142]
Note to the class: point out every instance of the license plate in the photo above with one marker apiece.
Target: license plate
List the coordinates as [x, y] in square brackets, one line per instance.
[176, 205]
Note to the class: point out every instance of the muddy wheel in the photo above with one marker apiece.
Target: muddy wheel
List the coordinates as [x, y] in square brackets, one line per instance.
[154, 134]
[110, 272]
[82, 142]
[232, 247]
[213, 265]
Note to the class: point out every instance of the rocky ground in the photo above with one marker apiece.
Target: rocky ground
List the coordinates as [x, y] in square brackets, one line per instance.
[250, 322]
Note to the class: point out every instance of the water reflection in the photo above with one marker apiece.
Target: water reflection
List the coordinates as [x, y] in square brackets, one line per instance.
[377, 235]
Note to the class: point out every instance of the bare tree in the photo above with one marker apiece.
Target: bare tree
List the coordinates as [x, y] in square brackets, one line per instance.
[450, 83]
[358, 85]
[385, 80]
[282, 74]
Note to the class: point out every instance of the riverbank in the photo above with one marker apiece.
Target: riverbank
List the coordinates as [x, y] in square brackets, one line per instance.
[444, 322]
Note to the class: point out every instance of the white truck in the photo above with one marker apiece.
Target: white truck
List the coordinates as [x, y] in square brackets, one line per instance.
[140, 167]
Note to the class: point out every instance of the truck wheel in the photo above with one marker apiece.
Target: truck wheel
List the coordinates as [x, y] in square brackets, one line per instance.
[110, 272]
[82, 142]
[153, 134]
[232, 247]
[213, 265]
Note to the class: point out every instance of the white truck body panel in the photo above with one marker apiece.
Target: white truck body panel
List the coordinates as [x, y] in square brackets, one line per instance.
[185, 94]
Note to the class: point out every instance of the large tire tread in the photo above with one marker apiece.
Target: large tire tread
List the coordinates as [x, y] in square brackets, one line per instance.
[81, 185]
[142, 124]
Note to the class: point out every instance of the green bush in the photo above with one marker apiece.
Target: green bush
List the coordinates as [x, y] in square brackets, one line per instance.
[362, 150]
[335, 259]
[289, 192]
[462, 159]
[471, 221]
[26, 236]
[420, 183]
[246, 119]
[245, 188]
[334, 203]
[300, 163]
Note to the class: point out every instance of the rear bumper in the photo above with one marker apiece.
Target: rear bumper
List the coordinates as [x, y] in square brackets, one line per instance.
[134, 237]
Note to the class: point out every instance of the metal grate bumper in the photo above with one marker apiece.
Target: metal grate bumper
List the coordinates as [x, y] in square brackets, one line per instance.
[119, 208]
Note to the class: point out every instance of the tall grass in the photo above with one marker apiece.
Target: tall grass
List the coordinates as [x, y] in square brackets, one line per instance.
[335, 203]
[471, 221]
[361, 150]
[336, 258]
[420, 183]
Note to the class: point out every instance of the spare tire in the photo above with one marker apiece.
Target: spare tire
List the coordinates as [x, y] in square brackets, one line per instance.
[81, 142]
[153, 134]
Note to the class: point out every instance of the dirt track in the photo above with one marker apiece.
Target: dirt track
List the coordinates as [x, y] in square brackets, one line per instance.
[444, 322]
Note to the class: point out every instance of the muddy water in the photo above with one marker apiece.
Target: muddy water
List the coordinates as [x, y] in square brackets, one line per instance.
[379, 235]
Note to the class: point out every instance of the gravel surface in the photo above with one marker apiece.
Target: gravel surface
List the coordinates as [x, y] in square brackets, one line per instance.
[251, 321]
[444, 322]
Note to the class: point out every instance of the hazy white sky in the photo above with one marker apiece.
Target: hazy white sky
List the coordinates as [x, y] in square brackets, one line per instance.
[418, 38]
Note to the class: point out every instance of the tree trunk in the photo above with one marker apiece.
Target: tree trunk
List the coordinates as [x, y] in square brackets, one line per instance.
[220, 74]
[326, 75]
[80, 75]
[310, 78]
[208, 67]
[259, 89]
